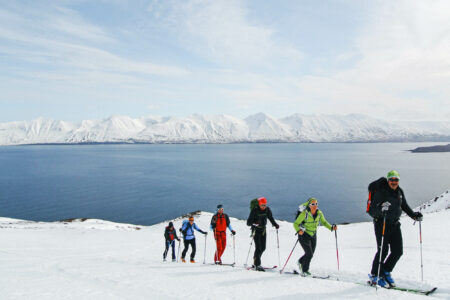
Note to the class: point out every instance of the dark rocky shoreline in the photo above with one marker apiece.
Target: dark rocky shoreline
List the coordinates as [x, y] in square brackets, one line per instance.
[440, 148]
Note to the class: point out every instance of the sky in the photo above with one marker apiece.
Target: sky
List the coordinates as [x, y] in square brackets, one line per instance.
[77, 60]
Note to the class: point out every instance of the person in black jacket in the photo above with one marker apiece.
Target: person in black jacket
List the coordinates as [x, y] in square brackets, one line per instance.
[258, 220]
[170, 234]
[387, 200]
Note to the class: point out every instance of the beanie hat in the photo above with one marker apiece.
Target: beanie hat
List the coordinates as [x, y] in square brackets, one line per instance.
[262, 200]
[311, 199]
[170, 224]
[393, 174]
[219, 206]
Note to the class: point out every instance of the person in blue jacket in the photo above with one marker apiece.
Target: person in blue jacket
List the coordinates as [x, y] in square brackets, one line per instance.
[189, 238]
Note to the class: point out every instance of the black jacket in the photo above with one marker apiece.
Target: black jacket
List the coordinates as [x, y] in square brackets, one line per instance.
[382, 192]
[258, 218]
[168, 234]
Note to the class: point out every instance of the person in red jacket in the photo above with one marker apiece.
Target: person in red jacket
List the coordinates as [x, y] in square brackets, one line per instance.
[219, 224]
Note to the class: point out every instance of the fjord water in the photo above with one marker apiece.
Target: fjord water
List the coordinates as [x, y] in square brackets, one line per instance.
[146, 184]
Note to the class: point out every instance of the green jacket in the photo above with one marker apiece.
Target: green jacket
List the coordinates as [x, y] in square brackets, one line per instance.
[307, 223]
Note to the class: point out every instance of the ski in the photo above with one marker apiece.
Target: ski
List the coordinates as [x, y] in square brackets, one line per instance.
[409, 290]
[265, 268]
[295, 272]
[214, 264]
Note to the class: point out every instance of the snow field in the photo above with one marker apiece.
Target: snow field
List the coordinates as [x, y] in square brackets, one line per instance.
[103, 260]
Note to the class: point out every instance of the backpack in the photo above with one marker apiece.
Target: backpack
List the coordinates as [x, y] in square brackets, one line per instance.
[372, 210]
[184, 231]
[254, 203]
[302, 207]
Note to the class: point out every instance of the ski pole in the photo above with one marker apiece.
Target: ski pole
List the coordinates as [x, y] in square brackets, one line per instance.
[421, 257]
[165, 250]
[281, 271]
[179, 246]
[278, 245]
[204, 253]
[250, 248]
[234, 250]
[337, 249]
[381, 249]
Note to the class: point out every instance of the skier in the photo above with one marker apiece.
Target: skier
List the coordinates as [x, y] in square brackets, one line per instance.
[219, 224]
[258, 220]
[385, 206]
[189, 238]
[307, 222]
[171, 235]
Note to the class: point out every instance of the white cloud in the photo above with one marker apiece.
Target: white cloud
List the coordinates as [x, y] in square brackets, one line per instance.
[222, 32]
[403, 70]
[44, 41]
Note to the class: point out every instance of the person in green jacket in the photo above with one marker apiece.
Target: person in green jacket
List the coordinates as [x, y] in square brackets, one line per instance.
[306, 227]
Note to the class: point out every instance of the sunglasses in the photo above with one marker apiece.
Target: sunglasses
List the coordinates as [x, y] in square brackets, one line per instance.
[313, 204]
[393, 179]
[263, 205]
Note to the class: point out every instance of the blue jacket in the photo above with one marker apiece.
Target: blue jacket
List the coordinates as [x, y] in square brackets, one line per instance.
[188, 230]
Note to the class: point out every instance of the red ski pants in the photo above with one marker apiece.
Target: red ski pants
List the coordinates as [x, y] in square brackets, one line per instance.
[221, 243]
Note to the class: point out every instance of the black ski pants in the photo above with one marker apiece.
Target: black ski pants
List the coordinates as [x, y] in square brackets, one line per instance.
[308, 244]
[186, 246]
[168, 244]
[392, 240]
[260, 245]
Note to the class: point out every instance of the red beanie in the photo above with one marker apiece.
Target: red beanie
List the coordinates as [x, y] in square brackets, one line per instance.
[262, 200]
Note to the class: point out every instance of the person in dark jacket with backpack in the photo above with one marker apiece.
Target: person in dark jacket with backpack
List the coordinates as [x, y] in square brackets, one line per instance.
[170, 234]
[189, 238]
[219, 224]
[258, 220]
[386, 203]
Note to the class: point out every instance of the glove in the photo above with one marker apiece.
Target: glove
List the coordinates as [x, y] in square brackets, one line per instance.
[233, 232]
[418, 216]
[385, 206]
[178, 239]
[333, 227]
[277, 226]
[204, 232]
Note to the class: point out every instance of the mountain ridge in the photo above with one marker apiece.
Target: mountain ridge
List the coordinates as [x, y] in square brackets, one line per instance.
[196, 128]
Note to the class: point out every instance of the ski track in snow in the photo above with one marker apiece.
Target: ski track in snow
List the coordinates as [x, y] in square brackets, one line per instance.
[97, 259]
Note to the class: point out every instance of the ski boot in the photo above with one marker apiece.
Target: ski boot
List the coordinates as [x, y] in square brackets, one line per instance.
[374, 280]
[388, 278]
[305, 274]
[192, 261]
[174, 260]
[259, 268]
[183, 260]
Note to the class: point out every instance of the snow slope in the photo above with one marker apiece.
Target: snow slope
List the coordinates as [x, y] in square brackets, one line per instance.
[97, 259]
[221, 129]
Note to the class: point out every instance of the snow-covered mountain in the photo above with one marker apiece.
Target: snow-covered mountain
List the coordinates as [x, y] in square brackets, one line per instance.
[438, 203]
[222, 129]
[96, 259]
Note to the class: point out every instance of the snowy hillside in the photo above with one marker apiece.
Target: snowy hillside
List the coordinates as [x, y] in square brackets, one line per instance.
[95, 259]
[221, 129]
[439, 203]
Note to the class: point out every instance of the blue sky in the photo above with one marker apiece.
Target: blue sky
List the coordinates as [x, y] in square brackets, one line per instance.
[75, 60]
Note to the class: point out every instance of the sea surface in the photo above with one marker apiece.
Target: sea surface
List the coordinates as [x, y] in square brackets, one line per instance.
[147, 184]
